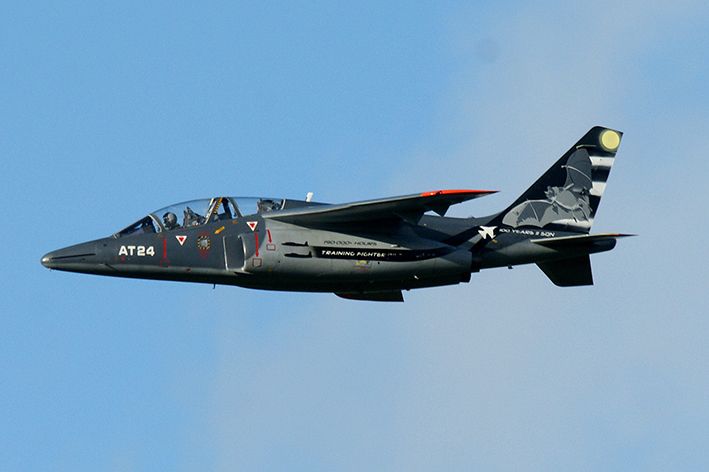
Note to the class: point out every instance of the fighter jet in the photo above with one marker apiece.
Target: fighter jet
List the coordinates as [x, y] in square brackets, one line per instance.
[366, 250]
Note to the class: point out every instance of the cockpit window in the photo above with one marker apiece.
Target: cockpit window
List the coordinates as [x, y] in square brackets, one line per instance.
[199, 212]
[146, 225]
[183, 215]
[222, 208]
[266, 204]
[251, 206]
[191, 218]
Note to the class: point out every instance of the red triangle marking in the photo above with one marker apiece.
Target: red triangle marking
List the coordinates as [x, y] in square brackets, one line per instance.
[181, 239]
[252, 225]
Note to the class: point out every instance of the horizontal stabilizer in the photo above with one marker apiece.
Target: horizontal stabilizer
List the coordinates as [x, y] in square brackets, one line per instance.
[388, 296]
[584, 240]
[572, 272]
[407, 207]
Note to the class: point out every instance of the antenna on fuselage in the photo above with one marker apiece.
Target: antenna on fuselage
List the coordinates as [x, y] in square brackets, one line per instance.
[309, 197]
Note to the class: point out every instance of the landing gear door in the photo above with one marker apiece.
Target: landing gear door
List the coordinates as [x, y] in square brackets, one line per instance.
[234, 253]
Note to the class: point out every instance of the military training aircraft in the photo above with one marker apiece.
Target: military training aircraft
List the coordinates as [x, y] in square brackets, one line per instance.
[366, 250]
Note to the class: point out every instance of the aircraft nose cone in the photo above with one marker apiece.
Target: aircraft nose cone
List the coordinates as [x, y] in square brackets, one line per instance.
[70, 258]
[47, 260]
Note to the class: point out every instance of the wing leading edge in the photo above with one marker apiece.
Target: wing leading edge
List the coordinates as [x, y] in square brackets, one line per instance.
[409, 208]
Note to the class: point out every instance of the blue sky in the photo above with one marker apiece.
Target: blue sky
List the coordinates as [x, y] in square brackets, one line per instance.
[109, 111]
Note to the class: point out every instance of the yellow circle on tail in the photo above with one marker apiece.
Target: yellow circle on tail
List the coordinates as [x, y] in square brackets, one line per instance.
[610, 140]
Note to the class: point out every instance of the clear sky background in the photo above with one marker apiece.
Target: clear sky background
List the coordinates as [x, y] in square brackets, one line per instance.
[109, 110]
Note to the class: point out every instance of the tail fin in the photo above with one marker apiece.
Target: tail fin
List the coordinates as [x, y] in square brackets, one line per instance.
[566, 197]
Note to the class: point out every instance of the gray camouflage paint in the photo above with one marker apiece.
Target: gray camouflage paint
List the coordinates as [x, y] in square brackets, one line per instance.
[374, 249]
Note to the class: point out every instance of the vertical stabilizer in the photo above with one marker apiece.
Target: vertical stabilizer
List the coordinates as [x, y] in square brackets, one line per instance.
[567, 196]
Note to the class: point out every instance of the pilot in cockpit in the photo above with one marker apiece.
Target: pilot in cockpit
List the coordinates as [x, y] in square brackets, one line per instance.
[169, 219]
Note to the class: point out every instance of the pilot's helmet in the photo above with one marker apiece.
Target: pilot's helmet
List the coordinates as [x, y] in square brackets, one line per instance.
[170, 220]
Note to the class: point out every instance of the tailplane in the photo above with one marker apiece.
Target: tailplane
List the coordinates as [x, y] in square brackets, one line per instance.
[575, 270]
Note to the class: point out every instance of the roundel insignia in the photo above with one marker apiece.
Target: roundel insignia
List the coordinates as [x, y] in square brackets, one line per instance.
[204, 244]
[610, 140]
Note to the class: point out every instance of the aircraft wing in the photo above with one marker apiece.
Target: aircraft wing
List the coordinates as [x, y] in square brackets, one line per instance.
[407, 207]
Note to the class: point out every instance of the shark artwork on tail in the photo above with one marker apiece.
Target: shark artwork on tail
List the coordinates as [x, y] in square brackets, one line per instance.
[371, 249]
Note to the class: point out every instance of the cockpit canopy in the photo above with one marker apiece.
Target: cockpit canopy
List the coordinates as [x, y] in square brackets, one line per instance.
[199, 212]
